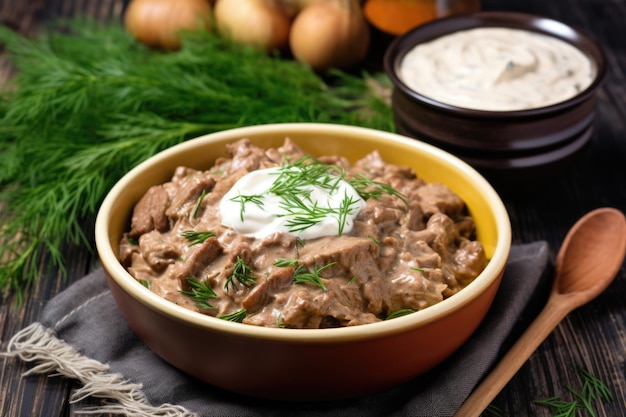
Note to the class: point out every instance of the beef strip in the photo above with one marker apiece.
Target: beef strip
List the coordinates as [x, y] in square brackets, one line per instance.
[149, 212]
[189, 190]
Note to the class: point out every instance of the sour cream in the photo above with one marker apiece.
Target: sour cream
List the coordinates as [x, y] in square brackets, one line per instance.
[251, 209]
[497, 69]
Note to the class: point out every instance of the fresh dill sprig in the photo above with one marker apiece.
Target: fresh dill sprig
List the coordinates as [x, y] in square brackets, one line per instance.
[343, 211]
[237, 317]
[197, 237]
[306, 171]
[302, 214]
[279, 323]
[368, 188]
[244, 199]
[200, 293]
[560, 407]
[282, 262]
[399, 313]
[146, 283]
[594, 387]
[303, 276]
[241, 273]
[196, 207]
[88, 103]
[293, 185]
[492, 411]
[592, 390]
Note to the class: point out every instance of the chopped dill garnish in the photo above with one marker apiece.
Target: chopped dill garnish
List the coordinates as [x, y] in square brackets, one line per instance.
[368, 188]
[237, 316]
[293, 184]
[353, 279]
[195, 237]
[303, 214]
[306, 171]
[400, 313]
[146, 283]
[279, 323]
[282, 262]
[242, 274]
[417, 268]
[345, 209]
[196, 207]
[374, 239]
[200, 293]
[303, 276]
[243, 199]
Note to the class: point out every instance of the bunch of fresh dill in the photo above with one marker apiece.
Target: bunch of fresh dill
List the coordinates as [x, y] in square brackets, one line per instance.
[88, 103]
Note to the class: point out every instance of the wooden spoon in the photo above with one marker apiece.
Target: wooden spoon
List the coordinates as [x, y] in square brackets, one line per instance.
[591, 255]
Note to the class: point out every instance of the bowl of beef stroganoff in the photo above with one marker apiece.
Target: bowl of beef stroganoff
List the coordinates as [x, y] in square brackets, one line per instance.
[211, 246]
[510, 93]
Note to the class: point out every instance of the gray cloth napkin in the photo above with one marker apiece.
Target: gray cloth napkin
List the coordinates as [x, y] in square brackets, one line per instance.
[85, 316]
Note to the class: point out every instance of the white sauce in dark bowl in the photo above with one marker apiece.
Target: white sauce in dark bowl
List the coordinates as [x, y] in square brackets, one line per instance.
[497, 69]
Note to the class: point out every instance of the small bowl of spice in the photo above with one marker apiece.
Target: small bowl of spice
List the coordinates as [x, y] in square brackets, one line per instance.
[512, 94]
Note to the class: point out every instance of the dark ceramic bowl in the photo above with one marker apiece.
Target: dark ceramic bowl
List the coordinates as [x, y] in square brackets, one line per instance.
[519, 143]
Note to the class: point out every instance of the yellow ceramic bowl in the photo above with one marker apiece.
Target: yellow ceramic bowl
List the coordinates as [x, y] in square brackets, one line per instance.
[318, 364]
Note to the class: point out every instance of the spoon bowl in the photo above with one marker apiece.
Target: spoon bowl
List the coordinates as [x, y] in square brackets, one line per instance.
[590, 257]
[580, 266]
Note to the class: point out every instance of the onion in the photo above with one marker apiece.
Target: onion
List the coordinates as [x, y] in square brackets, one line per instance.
[260, 23]
[157, 23]
[330, 34]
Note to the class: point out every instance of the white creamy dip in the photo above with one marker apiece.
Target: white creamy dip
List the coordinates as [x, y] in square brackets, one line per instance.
[497, 69]
[252, 210]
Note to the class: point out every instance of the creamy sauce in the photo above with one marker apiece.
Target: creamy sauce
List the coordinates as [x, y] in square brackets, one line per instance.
[497, 69]
[252, 210]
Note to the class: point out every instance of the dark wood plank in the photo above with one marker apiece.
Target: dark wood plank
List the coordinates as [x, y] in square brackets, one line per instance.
[592, 337]
[39, 395]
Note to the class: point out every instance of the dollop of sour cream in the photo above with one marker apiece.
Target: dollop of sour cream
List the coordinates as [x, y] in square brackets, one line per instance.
[497, 69]
[251, 209]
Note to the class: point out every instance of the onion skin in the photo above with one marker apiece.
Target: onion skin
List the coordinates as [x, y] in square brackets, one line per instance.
[264, 24]
[157, 23]
[330, 34]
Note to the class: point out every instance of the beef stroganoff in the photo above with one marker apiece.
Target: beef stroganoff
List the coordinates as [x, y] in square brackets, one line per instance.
[278, 238]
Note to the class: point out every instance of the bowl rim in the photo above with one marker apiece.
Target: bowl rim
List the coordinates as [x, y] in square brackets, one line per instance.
[401, 45]
[320, 336]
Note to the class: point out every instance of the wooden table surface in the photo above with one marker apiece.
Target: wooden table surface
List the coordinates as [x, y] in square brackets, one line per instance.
[593, 337]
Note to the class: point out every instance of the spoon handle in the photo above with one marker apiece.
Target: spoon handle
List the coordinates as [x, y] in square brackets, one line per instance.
[537, 332]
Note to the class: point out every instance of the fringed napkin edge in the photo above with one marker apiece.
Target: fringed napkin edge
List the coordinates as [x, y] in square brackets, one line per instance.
[53, 356]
